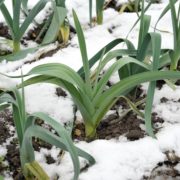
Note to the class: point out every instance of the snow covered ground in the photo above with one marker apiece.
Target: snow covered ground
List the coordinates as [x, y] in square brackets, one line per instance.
[115, 159]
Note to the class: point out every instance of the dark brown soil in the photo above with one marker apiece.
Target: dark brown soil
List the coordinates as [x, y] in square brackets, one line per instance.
[33, 34]
[113, 4]
[4, 32]
[113, 127]
[60, 92]
[12, 156]
[5, 121]
[166, 170]
[13, 159]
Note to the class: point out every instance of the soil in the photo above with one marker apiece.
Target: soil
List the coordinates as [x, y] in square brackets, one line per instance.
[4, 32]
[166, 170]
[60, 92]
[113, 4]
[113, 127]
[4, 130]
[12, 156]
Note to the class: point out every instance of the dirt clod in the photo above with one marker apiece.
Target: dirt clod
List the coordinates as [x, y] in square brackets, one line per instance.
[134, 134]
[60, 92]
[50, 159]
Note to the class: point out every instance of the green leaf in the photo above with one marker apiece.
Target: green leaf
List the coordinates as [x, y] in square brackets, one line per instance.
[58, 18]
[3, 106]
[18, 55]
[99, 11]
[156, 48]
[139, 18]
[80, 98]
[166, 9]
[64, 143]
[66, 139]
[144, 27]
[61, 3]
[105, 49]
[105, 100]
[8, 18]
[82, 46]
[1, 1]
[24, 5]
[36, 170]
[7, 98]
[32, 14]
[16, 17]
[45, 27]
[90, 11]
[115, 67]
[60, 71]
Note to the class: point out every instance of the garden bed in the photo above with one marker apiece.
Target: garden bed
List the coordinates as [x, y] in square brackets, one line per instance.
[122, 148]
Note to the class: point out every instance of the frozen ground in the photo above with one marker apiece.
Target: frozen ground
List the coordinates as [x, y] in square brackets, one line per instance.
[116, 159]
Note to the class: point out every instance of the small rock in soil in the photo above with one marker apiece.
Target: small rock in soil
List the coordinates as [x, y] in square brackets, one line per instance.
[60, 92]
[172, 157]
[156, 119]
[50, 159]
[4, 32]
[160, 84]
[113, 127]
[134, 135]
[164, 100]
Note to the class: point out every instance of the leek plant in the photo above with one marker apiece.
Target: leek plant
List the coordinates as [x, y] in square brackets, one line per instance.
[59, 24]
[17, 29]
[149, 47]
[174, 54]
[27, 128]
[99, 10]
[91, 97]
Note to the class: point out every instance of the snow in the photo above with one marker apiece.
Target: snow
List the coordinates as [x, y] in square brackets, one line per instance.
[128, 160]
[3, 151]
[59, 108]
[6, 83]
[169, 139]
[115, 159]
[169, 110]
[120, 159]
